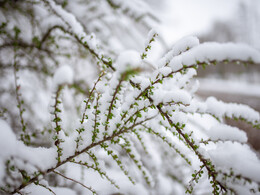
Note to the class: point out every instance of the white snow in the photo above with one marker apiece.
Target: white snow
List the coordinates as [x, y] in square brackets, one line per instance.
[237, 156]
[42, 158]
[165, 71]
[180, 46]
[69, 144]
[215, 51]
[220, 109]
[63, 75]
[184, 44]
[176, 95]
[226, 132]
[173, 90]
[34, 189]
[68, 18]
[7, 142]
[153, 32]
[129, 59]
[142, 81]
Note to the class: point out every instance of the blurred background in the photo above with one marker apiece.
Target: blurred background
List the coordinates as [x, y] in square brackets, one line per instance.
[221, 21]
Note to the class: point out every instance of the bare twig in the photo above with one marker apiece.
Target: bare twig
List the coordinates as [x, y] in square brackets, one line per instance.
[89, 188]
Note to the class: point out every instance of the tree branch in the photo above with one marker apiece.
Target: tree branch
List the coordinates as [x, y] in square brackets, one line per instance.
[77, 153]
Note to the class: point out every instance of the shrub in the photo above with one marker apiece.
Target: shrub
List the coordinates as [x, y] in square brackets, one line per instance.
[79, 115]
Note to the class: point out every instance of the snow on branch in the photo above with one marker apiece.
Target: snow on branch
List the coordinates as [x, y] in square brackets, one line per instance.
[143, 126]
[215, 52]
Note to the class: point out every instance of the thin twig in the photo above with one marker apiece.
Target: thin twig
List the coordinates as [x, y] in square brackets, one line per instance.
[90, 95]
[89, 188]
[47, 188]
[112, 102]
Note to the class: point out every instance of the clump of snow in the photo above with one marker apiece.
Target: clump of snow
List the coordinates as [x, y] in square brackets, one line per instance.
[176, 96]
[220, 109]
[180, 80]
[185, 44]
[176, 63]
[143, 82]
[215, 107]
[237, 156]
[68, 145]
[63, 75]
[225, 132]
[165, 71]
[215, 51]
[179, 47]
[151, 34]
[128, 59]
[42, 158]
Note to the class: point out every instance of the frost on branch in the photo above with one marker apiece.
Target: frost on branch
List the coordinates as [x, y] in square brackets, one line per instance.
[107, 122]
